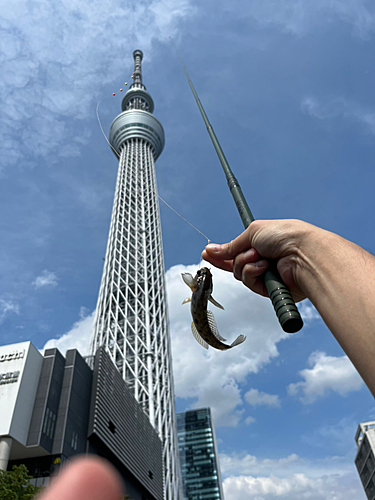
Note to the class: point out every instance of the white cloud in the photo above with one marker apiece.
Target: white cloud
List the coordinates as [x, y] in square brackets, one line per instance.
[307, 311]
[314, 108]
[54, 53]
[8, 306]
[289, 478]
[240, 464]
[214, 377]
[249, 420]
[47, 278]
[327, 373]
[258, 398]
[78, 337]
[244, 464]
[167, 11]
[293, 487]
[300, 18]
[341, 108]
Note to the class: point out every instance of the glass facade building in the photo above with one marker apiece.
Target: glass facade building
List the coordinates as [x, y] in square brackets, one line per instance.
[199, 456]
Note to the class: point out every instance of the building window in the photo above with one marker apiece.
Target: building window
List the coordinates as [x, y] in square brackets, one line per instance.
[49, 423]
[45, 420]
[52, 425]
[74, 442]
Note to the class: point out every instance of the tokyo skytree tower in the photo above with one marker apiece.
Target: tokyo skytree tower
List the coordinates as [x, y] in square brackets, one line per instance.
[131, 316]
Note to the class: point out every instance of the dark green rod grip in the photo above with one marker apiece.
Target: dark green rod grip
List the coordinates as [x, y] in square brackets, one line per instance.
[282, 301]
[285, 308]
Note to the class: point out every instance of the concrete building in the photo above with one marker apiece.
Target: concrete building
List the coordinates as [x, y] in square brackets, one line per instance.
[365, 458]
[20, 366]
[131, 316]
[199, 456]
[52, 408]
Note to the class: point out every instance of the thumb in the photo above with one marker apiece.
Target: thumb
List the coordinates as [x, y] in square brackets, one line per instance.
[229, 251]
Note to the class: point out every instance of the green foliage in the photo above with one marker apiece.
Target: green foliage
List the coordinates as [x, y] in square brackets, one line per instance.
[15, 485]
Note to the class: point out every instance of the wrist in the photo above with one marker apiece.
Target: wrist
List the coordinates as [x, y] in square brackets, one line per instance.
[309, 247]
[325, 259]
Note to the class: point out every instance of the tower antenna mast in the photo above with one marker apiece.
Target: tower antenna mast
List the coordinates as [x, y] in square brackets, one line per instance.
[282, 301]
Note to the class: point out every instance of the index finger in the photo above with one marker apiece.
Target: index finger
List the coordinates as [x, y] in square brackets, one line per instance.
[226, 265]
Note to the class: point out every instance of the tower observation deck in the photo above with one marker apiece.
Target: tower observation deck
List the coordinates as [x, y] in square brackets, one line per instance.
[131, 316]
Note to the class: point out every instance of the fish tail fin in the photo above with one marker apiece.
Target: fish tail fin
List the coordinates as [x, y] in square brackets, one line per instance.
[239, 340]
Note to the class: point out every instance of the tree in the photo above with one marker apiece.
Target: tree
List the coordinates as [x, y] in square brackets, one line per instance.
[14, 485]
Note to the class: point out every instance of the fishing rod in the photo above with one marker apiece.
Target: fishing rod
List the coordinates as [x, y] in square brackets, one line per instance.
[285, 307]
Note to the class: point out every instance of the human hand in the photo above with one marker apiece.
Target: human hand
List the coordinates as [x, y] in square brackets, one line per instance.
[245, 256]
[89, 478]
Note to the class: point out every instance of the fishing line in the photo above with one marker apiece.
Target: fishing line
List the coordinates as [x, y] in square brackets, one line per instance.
[148, 56]
[142, 181]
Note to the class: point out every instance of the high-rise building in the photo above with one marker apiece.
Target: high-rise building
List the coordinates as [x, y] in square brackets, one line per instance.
[131, 316]
[365, 458]
[199, 458]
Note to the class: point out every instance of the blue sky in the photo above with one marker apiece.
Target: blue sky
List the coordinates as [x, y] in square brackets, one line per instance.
[288, 87]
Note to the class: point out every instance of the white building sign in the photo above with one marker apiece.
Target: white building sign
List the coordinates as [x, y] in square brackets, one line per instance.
[9, 377]
[9, 356]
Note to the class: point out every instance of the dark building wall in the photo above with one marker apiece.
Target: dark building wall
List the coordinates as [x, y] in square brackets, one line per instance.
[117, 421]
[132, 486]
[44, 416]
[74, 407]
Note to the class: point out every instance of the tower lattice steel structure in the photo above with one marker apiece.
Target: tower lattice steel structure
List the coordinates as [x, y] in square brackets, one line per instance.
[131, 315]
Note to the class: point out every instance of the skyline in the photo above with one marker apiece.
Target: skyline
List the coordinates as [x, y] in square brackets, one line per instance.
[288, 88]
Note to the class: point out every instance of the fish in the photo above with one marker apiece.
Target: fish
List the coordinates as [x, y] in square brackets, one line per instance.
[204, 326]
